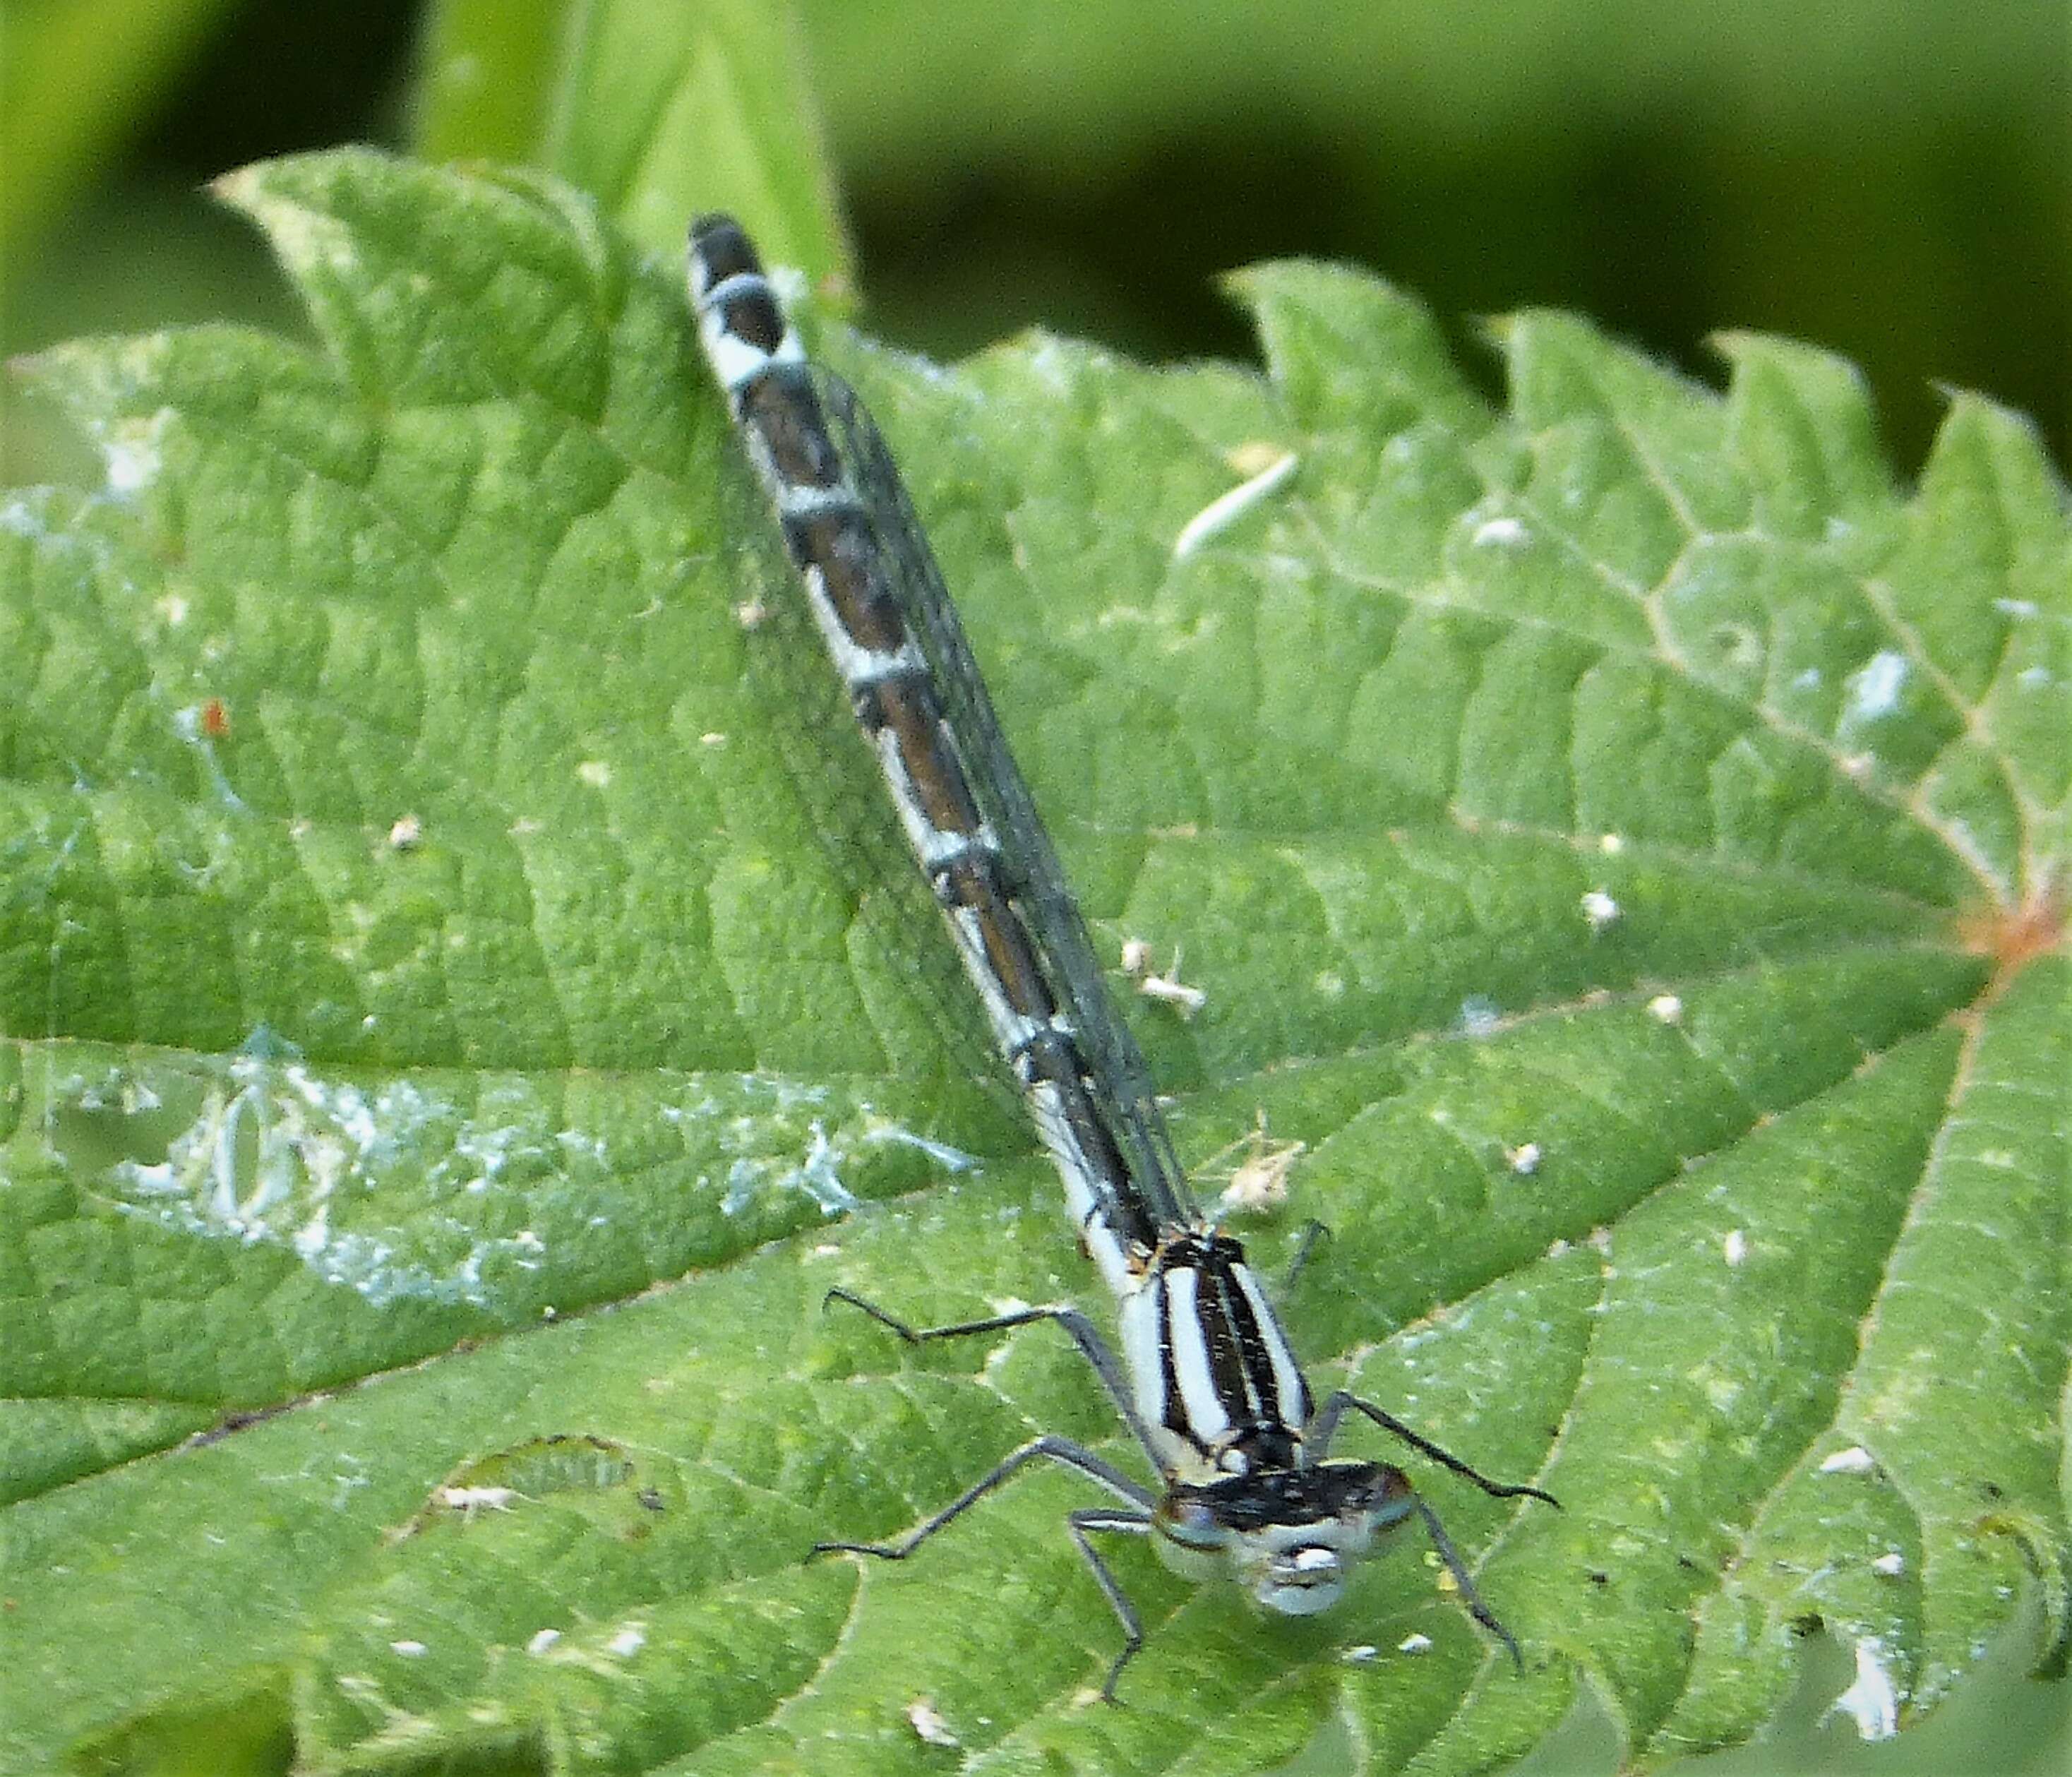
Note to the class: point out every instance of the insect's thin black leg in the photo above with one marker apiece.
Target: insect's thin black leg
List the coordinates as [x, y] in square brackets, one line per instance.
[1480, 1611]
[1125, 1523]
[1091, 1344]
[1047, 1449]
[1313, 1234]
[1324, 1425]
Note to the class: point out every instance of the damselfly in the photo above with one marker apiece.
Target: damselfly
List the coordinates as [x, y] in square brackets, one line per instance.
[1206, 1382]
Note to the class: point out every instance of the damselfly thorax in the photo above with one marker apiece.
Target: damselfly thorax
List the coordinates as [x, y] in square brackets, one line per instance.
[1207, 1381]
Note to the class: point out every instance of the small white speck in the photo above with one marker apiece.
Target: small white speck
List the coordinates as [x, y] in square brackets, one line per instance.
[132, 454]
[595, 773]
[1870, 1702]
[1256, 1184]
[2015, 608]
[1226, 509]
[1480, 1016]
[1600, 909]
[1136, 957]
[1809, 679]
[1524, 1159]
[1361, 1654]
[712, 737]
[1734, 1247]
[1855, 1460]
[1189, 1000]
[928, 1724]
[827, 1249]
[523, 827]
[1874, 689]
[471, 1499]
[1557, 1249]
[409, 1649]
[1889, 1566]
[1611, 844]
[628, 1642]
[1330, 983]
[1414, 1644]
[1856, 765]
[541, 1642]
[407, 831]
[1169, 989]
[1501, 533]
[173, 608]
[751, 614]
[1666, 1008]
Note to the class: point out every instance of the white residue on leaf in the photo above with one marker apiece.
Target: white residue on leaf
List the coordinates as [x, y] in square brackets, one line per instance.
[1226, 508]
[1480, 1015]
[1666, 1009]
[1889, 1566]
[1600, 909]
[595, 773]
[1874, 689]
[1855, 1460]
[928, 1723]
[1167, 989]
[18, 518]
[1870, 1702]
[365, 1183]
[409, 1649]
[542, 1641]
[1523, 1159]
[1611, 844]
[628, 1642]
[468, 1500]
[1502, 533]
[1734, 1248]
[1255, 1169]
[775, 1137]
[2015, 608]
[133, 453]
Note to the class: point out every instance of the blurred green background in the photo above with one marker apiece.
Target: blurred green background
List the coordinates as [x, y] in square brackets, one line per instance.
[1891, 178]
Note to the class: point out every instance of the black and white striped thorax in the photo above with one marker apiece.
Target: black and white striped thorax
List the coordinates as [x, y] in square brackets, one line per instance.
[1208, 1385]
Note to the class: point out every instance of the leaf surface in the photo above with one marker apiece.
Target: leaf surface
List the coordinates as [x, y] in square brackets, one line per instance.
[1618, 834]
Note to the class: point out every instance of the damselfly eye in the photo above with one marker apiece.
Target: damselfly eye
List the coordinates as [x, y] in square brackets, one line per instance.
[1192, 1524]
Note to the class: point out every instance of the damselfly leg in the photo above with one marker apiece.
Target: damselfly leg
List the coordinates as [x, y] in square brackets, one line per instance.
[1062, 1451]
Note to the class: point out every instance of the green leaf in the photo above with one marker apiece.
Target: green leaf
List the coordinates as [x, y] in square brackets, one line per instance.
[1622, 836]
[657, 108]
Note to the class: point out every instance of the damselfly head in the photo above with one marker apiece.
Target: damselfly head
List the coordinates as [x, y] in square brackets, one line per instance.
[1290, 1536]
